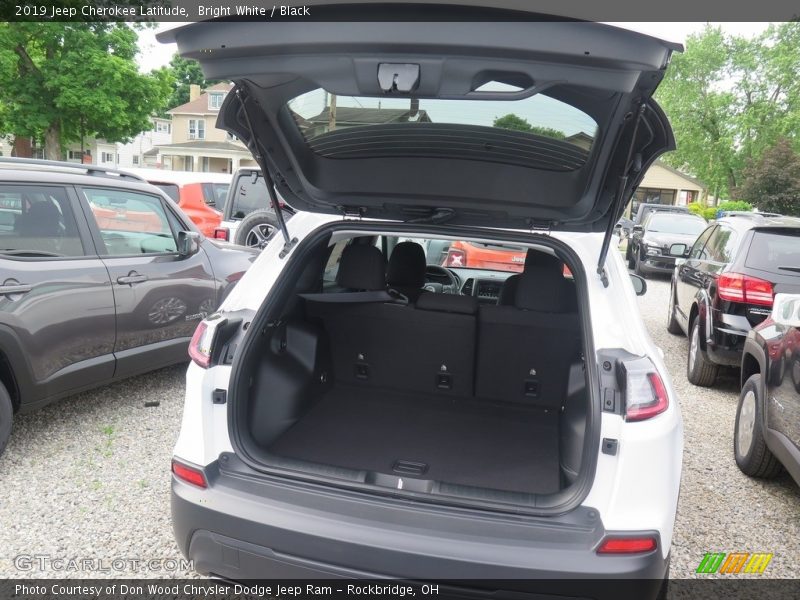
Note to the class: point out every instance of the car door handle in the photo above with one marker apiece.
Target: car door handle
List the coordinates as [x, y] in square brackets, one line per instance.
[14, 289]
[131, 278]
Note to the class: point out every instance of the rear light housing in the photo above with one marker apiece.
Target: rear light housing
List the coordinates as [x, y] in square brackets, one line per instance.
[201, 347]
[455, 258]
[628, 545]
[189, 474]
[222, 233]
[736, 287]
[645, 392]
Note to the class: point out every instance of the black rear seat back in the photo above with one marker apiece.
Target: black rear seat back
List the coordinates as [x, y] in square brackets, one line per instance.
[429, 349]
[525, 351]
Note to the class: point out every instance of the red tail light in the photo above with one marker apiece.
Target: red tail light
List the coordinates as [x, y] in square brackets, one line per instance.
[189, 474]
[645, 394]
[222, 233]
[631, 545]
[736, 287]
[456, 258]
[200, 346]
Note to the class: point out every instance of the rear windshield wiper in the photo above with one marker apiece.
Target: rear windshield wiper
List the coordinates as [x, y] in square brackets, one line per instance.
[795, 269]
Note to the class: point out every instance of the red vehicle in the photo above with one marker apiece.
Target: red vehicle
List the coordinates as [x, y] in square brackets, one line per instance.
[197, 193]
[474, 255]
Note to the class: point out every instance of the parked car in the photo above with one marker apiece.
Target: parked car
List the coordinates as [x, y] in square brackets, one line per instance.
[649, 246]
[766, 433]
[725, 287]
[101, 277]
[640, 216]
[335, 427]
[248, 219]
[196, 193]
[485, 256]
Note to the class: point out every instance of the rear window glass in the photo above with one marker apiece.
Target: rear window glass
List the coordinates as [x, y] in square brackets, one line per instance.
[170, 189]
[553, 126]
[249, 196]
[769, 251]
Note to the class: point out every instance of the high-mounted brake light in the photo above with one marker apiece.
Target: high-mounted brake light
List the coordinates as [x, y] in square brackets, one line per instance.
[222, 233]
[645, 393]
[189, 474]
[736, 287]
[628, 545]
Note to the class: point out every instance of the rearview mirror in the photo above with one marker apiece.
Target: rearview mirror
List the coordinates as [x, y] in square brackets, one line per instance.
[639, 284]
[678, 250]
[786, 310]
[188, 243]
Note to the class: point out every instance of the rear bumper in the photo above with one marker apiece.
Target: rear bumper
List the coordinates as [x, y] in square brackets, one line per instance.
[242, 528]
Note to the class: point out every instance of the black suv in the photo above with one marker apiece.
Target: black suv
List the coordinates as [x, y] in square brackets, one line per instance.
[726, 285]
[766, 434]
[101, 277]
[649, 246]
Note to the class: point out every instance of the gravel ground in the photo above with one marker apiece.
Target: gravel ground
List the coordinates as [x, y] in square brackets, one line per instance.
[88, 477]
[720, 508]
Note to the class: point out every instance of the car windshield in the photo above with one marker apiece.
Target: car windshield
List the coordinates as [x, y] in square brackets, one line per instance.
[672, 223]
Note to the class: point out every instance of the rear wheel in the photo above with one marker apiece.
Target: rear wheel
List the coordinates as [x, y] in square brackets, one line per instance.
[6, 417]
[258, 228]
[629, 256]
[699, 370]
[749, 448]
[672, 323]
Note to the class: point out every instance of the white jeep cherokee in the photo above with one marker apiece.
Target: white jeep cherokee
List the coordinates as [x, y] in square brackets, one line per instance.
[355, 411]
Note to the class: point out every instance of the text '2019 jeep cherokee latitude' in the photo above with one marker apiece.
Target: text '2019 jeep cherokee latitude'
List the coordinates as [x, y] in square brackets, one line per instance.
[344, 415]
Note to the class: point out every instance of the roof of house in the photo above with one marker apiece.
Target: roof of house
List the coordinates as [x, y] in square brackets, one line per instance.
[200, 104]
[367, 116]
[197, 145]
[679, 173]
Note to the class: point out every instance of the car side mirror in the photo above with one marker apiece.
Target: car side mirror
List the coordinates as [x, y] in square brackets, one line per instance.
[786, 310]
[638, 229]
[678, 250]
[639, 284]
[188, 243]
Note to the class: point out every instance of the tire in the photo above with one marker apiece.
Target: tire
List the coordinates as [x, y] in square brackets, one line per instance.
[749, 448]
[258, 228]
[699, 371]
[629, 256]
[672, 324]
[638, 267]
[6, 417]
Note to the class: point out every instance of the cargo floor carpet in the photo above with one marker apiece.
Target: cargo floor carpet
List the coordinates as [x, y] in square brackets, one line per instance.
[458, 441]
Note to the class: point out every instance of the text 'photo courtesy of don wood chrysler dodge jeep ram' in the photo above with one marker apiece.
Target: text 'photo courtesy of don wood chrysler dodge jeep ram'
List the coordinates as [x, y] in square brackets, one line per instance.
[344, 414]
[102, 277]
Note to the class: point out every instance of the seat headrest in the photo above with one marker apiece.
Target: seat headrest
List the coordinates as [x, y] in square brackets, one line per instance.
[407, 265]
[542, 288]
[361, 268]
[42, 219]
[535, 258]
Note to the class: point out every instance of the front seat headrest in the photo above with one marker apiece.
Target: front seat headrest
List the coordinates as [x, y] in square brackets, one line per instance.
[542, 288]
[407, 266]
[361, 268]
[533, 258]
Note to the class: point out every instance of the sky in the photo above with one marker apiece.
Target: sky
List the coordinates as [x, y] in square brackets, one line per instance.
[153, 54]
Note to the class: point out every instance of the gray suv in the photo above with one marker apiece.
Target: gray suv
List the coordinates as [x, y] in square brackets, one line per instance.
[101, 277]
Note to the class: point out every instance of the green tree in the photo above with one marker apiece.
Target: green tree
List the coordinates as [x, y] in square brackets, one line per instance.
[729, 98]
[772, 183]
[185, 72]
[517, 123]
[62, 81]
